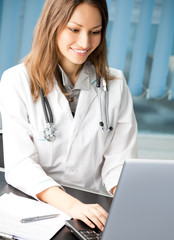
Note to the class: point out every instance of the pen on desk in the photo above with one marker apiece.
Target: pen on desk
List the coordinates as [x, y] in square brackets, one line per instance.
[38, 218]
[6, 236]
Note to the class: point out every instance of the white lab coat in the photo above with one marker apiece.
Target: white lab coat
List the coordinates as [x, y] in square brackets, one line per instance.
[82, 153]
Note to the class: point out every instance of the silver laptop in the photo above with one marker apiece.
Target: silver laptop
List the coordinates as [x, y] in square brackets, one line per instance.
[143, 206]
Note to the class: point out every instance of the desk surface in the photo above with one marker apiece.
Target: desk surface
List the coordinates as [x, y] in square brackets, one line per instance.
[84, 196]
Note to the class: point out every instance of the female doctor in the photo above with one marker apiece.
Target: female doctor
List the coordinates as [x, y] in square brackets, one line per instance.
[67, 117]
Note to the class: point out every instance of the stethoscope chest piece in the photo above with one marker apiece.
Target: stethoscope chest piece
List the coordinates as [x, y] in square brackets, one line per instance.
[49, 132]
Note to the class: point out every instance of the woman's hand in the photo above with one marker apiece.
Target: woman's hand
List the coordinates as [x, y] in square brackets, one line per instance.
[88, 213]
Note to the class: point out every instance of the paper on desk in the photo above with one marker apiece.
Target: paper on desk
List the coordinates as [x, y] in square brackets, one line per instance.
[13, 208]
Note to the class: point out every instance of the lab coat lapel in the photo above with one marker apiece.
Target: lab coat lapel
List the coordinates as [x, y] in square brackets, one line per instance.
[63, 103]
[85, 100]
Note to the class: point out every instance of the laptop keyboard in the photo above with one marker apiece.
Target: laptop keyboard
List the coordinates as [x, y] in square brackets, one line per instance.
[91, 234]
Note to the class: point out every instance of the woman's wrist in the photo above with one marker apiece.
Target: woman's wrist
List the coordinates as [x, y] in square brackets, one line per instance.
[58, 198]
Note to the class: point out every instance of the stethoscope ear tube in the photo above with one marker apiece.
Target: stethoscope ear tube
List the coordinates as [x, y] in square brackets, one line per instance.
[103, 98]
[108, 129]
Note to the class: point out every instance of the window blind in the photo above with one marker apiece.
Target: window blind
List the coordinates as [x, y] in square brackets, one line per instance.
[147, 59]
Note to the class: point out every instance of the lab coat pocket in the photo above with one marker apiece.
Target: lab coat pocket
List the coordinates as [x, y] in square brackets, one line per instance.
[44, 148]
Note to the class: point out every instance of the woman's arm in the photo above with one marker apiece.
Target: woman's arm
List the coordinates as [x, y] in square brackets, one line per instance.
[88, 213]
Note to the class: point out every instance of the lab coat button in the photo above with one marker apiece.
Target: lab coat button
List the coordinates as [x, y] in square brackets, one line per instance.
[71, 171]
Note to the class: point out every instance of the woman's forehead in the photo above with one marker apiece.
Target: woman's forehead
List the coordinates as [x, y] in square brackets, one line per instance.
[86, 14]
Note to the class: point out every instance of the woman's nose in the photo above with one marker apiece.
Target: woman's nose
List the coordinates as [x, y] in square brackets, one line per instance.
[84, 40]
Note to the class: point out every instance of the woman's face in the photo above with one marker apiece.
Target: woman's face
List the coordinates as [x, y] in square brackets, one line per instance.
[81, 36]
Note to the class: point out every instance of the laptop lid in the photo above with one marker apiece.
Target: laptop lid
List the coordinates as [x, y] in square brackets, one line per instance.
[143, 205]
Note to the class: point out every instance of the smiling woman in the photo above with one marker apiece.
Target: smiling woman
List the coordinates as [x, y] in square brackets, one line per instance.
[91, 18]
[65, 100]
[78, 39]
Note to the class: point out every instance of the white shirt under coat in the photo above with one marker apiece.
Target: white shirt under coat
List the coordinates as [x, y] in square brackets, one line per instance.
[82, 154]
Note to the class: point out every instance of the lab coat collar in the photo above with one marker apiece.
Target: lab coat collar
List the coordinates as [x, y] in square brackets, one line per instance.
[86, 76]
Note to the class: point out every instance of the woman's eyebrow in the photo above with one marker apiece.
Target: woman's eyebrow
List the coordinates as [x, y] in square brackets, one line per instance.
[82, 26]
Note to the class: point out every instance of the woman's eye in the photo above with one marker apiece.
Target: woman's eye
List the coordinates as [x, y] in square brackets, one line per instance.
[73, 30]
[96, 32]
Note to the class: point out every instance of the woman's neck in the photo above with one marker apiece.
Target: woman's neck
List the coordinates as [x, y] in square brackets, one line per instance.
[72, 71]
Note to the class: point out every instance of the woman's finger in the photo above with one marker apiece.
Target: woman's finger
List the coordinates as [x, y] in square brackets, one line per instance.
[99, 215]
[102, 210]
[86, 220]
[91, 216]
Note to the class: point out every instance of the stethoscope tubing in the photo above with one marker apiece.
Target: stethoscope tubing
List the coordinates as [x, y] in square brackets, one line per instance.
[46, 107]
[104, 123]
[49, 131]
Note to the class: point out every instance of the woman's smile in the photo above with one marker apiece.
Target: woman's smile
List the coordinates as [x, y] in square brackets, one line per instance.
[80, 52]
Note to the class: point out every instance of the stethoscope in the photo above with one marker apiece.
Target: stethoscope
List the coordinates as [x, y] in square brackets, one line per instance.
[50, 130]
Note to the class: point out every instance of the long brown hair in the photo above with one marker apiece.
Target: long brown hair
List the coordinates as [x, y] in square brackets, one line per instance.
[42, 61]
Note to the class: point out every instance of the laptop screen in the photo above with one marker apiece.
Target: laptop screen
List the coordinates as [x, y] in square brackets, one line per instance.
[143, 206]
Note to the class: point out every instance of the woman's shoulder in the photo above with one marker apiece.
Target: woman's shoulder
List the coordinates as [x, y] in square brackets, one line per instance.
[118, 74]
[16, 70]
[118, 80]
[16, 74]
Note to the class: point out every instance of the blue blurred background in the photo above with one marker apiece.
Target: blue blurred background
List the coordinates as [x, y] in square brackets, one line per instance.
[140, 41]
